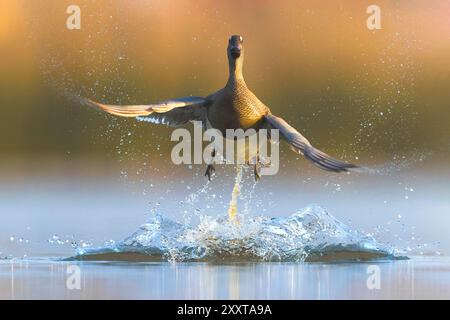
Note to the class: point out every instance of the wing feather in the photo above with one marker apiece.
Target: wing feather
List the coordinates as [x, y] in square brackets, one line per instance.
[301, 145]
[173, 112]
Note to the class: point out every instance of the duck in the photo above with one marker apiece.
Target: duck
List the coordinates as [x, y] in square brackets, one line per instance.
[234, 106]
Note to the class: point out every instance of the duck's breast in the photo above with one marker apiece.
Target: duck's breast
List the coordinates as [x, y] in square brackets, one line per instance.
[234, 111]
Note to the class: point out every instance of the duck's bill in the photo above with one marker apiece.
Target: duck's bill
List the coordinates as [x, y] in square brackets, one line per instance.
[235, 53]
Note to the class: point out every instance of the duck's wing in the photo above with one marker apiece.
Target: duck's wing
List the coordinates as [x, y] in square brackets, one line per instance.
[301, 145]
[173, 112]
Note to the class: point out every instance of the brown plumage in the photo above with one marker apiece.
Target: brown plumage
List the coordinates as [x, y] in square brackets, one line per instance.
[232, 107]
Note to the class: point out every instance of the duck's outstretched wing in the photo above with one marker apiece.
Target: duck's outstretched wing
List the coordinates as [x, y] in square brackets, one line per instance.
[301, 145]
[174, 112]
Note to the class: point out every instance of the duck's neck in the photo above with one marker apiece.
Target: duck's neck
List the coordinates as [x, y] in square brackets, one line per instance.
[235, 72]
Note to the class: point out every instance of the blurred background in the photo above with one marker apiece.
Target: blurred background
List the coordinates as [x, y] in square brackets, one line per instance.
[367, 96]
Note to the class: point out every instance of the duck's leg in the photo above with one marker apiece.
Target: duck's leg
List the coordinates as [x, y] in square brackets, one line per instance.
[232, 209]
[257, 170]
[210, 169]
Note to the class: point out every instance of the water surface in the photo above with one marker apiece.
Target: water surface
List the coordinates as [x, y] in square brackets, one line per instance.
[417, 278]
[283, 244]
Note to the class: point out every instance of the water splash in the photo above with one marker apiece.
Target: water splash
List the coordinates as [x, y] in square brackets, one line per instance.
[397, 164]
[311, 234]
[232, 209]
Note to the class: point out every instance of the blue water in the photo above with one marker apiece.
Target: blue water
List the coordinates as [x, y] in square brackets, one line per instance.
[43, 220]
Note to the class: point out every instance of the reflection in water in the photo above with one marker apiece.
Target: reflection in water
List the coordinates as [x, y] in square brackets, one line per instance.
[234, 284]
[415, 278]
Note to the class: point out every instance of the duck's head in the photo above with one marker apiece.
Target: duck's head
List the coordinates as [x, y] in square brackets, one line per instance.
[235, 49]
